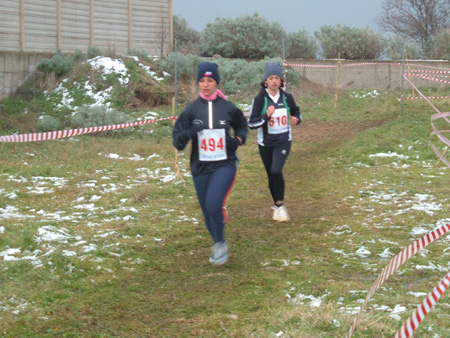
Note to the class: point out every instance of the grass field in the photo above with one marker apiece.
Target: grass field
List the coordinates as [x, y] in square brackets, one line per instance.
[99, 238]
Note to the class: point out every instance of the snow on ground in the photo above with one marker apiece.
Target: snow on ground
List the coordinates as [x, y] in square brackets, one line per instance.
[106, 66]
[395, 202]
[51, 237]
[82, 206]
[362, 94]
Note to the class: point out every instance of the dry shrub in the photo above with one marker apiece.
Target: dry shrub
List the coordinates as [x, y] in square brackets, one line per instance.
[151, 93]
[142, 195]
[23, 122]
[188, 90]
[47, 82]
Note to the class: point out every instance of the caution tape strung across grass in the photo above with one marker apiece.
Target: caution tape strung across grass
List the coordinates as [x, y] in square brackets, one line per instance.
[438, 133]
[395, 264]
[413, 322]
[52, 135]
[421, 98]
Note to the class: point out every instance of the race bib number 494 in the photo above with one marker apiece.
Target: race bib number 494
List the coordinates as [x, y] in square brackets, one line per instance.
[212, 145]
[278, 122]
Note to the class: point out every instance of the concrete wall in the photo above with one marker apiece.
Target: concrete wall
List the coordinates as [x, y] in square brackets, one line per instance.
[364, 74]
[15, 67]
[43, 26]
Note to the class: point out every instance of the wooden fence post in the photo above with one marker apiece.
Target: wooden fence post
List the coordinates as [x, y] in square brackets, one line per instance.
[338, 80]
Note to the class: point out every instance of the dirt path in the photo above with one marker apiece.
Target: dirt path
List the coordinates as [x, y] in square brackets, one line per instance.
[314, 131]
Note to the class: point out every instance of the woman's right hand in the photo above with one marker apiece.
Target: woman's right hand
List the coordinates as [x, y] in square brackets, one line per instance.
[270, 111]
[194, 129]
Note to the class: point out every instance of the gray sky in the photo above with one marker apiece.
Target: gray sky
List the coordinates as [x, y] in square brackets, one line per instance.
[293, 15]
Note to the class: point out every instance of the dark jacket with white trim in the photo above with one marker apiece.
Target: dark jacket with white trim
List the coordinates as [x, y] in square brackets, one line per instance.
[258, 118]
[195, 118]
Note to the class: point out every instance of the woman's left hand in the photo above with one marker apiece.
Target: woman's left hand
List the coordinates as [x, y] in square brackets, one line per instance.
[232, 144]
[294, 120]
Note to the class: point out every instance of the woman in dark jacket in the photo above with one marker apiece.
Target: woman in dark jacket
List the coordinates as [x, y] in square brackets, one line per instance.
[273, 113]
[216, 128]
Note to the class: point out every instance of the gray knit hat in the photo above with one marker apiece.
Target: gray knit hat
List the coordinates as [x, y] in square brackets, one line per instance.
[273, 69]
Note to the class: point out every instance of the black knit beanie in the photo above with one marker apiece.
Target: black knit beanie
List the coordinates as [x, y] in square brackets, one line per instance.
[208, 69]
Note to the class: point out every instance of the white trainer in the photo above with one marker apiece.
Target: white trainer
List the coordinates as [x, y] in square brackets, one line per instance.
[282, 214]
[275, 213]
[219, 254]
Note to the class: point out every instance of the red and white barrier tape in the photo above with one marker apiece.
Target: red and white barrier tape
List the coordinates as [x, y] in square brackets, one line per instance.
[409, 326]
[370, 64]
[341, 65]
[395, 264]
[429, 78]
[438, 133]
[430, 67]
[51, 135]
[428, 97]
[429, 71]
[310, 66]
[421, 94]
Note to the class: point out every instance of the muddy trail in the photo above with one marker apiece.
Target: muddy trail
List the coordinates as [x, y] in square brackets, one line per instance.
[310, 185]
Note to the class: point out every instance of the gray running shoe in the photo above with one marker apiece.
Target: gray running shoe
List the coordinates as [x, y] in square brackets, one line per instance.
[219, 254]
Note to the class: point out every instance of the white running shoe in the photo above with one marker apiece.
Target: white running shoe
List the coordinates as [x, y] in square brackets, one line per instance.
[219, 254]
[275, 213]
[282, 214]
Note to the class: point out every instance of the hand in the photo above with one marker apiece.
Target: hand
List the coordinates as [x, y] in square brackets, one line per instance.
[232, 144]
[270, 111]
[294, 121]
[195, 128]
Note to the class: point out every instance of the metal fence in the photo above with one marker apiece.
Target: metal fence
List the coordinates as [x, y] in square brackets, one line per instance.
[44, 26]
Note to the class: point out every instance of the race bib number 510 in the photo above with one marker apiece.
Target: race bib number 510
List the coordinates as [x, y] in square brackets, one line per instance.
[212, 145]
[278, 122]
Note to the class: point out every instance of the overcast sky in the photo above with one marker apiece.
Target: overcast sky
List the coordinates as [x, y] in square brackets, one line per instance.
[293, 15]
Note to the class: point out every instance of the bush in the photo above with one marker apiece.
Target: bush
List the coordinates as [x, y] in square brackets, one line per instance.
[140, 53]
[57, 64]
[186, 65]
[78, 56]
[441, 45]
[301, 45]
[240, 76]
[236, 75]
[93, 51]
[93, 116]
[188, 40]
[244, 37]
[351, 43]
[395, 49]
[49, 123]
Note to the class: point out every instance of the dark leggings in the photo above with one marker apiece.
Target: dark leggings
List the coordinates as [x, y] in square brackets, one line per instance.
[274, 159]
[213, 190]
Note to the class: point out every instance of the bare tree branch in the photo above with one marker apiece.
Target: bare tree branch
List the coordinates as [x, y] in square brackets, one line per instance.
[417, 20]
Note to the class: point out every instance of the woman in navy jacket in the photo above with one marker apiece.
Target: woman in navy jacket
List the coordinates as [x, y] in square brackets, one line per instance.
[273, 113]
[216, 128]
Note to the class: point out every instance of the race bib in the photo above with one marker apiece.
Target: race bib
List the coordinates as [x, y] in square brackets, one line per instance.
[278, 122]
[212, 145]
